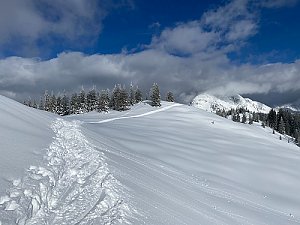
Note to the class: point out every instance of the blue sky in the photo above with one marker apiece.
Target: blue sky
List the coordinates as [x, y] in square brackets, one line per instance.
[277, 39]
[249, 47]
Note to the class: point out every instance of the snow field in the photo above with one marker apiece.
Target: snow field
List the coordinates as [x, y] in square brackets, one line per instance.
[169, 165]
[184, 169]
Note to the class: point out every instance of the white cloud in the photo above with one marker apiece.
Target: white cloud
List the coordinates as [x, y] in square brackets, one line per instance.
[223, 29]
[186, 38]
[241, 30]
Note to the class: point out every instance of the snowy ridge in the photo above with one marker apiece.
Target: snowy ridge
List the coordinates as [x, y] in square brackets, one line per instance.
[212, 103]
[74, 186]
[288, 107]
[140, 115]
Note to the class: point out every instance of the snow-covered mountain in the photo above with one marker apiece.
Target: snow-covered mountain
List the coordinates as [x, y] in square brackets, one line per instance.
[291, 107]
[213, 103]
[167, 165]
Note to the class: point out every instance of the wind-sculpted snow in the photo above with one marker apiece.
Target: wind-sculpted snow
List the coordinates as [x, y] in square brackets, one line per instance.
[73, 186]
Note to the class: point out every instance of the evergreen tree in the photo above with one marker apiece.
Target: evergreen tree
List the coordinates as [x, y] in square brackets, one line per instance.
[281, 126]
[47, 101]
[236, 117]
[103, 102]
[155, 95]
[123, 100]
[244, 119]
[170, 97]
[255, 117]
[74, 104]
[132, 99]
[41, 104]
[65, 105]
[272, 119]
[59, 106]
[82, 102]
[34, 104]
[92, 103]
[53, 103]
[250, 119]
[138, 95]
[115, 98]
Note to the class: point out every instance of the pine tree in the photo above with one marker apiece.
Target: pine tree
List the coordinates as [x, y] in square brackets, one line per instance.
[155, 95]
[103, 102]
[58, 106]
[123, 100]
[170, 97]
[244, 119]
[92, 103]
[82, 102]
[132, 96]
[250, 119]
[53, 103]
[272, 119]
[47, 101]
[281, 126]
[74, 106]
[41, 104]
[114, 99]
[65, 105]
[255, 117]
[138, 95]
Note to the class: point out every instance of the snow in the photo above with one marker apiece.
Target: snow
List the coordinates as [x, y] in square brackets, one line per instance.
[167, 165]
[74, 186]
[288, 107]
[213, 103]
[24, 134]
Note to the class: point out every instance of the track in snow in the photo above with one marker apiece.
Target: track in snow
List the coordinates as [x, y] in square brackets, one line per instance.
[73, 186]
[140, 115]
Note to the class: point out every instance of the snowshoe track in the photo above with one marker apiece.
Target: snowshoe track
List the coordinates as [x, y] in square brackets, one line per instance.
[74, 186]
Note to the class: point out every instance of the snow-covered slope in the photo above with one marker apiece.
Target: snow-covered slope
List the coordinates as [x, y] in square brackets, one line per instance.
[213, 103]
[291, 107]
[24, 134]
[168, 165]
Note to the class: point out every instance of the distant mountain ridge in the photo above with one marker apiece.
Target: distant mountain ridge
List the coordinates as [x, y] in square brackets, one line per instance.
[212, 103]
[291, 107]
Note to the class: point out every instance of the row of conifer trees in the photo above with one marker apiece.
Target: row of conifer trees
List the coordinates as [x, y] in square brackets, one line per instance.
[284, 121]
[119, 99]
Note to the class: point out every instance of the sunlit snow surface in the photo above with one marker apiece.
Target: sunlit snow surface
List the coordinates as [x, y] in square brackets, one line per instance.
[170, 165]
[213, 103]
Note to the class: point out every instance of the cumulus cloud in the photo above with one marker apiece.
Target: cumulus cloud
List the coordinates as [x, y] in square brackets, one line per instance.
[224, 28]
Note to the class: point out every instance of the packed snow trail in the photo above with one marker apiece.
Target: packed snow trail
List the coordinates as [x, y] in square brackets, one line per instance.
[140, 115]
[74, 186]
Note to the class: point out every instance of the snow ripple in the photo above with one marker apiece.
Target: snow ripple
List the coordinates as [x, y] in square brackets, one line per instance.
[74, 186]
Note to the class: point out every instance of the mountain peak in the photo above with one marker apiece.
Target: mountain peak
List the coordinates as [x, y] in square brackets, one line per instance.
[212, 103]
